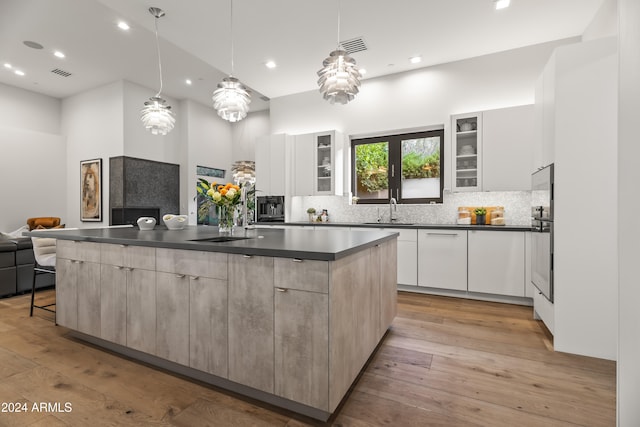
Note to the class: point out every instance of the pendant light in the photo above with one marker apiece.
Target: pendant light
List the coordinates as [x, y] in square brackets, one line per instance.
[156, 115]
[231, 99]
[339, 77]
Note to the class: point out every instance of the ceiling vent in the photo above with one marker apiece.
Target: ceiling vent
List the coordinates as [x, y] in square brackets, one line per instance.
[354, 45]
[60, 72]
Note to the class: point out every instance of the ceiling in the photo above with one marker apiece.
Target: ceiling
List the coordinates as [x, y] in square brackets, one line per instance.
[195, 39]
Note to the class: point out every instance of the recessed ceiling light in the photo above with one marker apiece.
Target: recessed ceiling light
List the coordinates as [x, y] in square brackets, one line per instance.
[123, 25]
[501, 4]
[58, 54]
[7, 65]
[188, 81]
[18, 72]
[270, 64]
[415, 59]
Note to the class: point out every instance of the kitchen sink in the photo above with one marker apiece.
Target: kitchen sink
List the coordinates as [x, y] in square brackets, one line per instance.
[219, 239]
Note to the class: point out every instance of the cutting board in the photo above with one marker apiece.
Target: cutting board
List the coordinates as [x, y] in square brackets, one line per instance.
[473, 215]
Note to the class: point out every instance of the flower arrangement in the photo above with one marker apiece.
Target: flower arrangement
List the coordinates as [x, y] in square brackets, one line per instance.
[225, 197]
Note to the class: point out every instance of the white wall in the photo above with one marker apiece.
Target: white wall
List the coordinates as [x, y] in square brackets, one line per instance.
[93, 124]
[245, 133]
[605, 23]
[33, 157]
[209, 144]
[138, 141]
[424, 97]
[32, 176]
[628, 207]
[23, 109]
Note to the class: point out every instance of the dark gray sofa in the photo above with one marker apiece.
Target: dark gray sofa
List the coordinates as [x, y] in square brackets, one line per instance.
[16, 268]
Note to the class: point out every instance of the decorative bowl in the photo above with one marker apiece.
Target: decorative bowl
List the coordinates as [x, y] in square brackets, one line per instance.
[146, 223]
[174, 222]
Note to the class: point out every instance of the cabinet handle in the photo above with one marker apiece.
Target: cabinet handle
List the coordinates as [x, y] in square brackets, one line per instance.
[195, 277]
[248, 256]
[281, 289]
[442, 234]
[117, 267]
[123, 246]
[296, 260]
[128, 268]
[179, 276]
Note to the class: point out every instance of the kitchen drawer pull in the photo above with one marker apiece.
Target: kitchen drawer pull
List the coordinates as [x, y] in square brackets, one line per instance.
[248, 256]
[123, 246]
[281, 289]
[180, 276]
[128, 268]
[195, 277]
[442, 234]
[117, 267]
[296, 260]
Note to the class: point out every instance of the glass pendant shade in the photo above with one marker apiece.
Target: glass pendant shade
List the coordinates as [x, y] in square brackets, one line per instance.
[339, 78]
[231, 100]
[157, 117]
[244, 172]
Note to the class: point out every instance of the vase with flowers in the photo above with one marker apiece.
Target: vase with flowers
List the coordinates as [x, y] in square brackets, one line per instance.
[226, 198]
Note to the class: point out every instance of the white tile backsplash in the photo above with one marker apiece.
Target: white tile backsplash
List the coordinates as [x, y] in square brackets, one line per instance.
[517, 208]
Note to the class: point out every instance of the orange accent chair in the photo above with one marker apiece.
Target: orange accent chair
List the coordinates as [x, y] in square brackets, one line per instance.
[43, 222]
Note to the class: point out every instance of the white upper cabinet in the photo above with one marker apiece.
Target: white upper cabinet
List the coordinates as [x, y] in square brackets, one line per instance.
[492, 150]
[318, 164]
[507, 147]
[544, 117]
[466, 152]
[270, 165]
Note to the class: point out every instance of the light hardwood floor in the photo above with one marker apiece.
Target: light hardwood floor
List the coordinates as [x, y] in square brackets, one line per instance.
[445, 362]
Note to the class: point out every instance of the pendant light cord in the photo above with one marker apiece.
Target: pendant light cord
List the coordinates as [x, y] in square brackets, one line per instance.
[231, 15]
[159, 60]
[338, 45]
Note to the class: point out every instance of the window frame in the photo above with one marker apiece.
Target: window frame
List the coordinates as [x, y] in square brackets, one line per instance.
[395, 164]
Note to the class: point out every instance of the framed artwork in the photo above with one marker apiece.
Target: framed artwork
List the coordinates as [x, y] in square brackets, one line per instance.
[91, 190]
[212, 172]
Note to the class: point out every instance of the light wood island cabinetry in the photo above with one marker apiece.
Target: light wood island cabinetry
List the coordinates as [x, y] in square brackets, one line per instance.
[294, 332]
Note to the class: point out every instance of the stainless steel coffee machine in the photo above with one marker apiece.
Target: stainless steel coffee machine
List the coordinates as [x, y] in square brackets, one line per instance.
[270, 209]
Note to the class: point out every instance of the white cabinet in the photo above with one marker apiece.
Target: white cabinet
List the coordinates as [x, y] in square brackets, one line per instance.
[270, 165]
[507, 146]
[466, 150]
[545, 117]
[407, 255]
[442, 259]
[492, 150]
[318, 164]
[496, 262]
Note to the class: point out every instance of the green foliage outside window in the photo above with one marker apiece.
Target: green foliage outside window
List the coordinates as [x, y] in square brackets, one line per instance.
[372, 162]
[415, 165]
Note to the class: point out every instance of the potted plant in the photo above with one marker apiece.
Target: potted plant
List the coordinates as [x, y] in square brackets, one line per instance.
[312, 214]
[480, 216]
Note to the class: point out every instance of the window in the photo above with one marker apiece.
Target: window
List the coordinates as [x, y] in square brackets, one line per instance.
[408, 167]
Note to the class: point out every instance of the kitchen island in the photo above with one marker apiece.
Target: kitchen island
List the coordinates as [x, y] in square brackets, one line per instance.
[288, 317]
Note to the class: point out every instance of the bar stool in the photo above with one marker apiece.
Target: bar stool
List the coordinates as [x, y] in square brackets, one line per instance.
[44, 251]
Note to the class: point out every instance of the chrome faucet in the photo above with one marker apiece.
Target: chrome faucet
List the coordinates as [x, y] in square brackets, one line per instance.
[393, 210]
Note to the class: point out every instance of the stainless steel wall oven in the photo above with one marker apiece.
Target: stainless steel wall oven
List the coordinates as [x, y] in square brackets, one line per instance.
[542, 230]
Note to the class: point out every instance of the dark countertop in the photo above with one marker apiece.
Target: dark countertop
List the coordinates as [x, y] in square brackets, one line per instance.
[286, 243]
[412, 225]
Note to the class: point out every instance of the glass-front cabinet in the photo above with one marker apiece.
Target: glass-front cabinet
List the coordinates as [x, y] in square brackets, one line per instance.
[318, 164]
[324, 164]
[466, 131]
